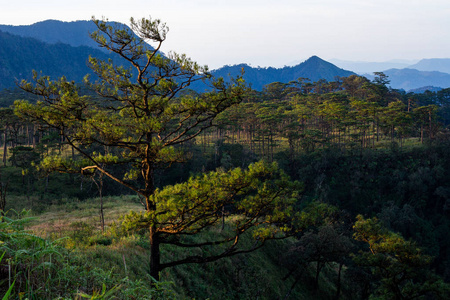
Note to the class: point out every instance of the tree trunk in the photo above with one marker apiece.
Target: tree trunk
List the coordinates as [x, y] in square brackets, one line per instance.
[46, 184]
[430, 126]
[155, 239]
[5, 147]
[338, 284]
[421, 134]
[378, 131]
[33, 137]
[99, 185]
[155, 254]
[3, 198]
[316, 280]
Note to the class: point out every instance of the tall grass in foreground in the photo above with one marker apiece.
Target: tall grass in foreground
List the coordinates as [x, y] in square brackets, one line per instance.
[36, 268]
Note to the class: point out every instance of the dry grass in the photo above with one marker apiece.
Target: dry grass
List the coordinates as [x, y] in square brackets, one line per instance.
[59, 219]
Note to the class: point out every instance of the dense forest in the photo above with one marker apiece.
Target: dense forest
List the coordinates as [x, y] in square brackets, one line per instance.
[304, 190]
[20, 56]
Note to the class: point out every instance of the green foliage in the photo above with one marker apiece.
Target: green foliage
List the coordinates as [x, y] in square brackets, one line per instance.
[261, 191]
[10, 289]
[258, 200]
[23, 157]
[100, 295]
[402, 268]
[81, 231]
[257, 274]
[28, 255]
[135, 113]
[8, 292]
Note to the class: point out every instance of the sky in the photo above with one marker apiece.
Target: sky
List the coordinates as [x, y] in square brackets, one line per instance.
[269, 32]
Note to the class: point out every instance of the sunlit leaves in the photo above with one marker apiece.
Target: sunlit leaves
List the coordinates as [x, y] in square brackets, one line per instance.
[148, 29]
[262, 195]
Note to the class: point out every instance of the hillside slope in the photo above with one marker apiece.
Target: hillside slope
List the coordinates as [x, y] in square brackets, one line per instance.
[19, 56]
[53, 32]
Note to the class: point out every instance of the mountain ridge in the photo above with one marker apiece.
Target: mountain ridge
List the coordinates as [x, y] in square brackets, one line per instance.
[57, 49]
[75, 33]
[54, 57]
[365, 67]
[432, 64]
[412, 79]
[314, 69]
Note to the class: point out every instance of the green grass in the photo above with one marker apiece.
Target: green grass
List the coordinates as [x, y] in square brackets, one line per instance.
[111, 259]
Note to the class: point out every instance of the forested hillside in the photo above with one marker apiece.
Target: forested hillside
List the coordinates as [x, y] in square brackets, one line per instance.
[54, 48]
[74, 34]
[19, 56]
[143, 188]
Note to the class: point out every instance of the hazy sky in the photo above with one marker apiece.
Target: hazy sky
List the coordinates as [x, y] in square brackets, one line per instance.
[270, 33]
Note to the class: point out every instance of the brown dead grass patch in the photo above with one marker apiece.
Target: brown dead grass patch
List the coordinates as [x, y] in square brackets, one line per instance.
[57, 221]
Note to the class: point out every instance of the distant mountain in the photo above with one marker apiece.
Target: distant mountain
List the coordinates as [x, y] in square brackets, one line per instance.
[314, 69]
[409, 79]
[76, 33]
[62, 48]
[60, 54]
[52, 47]
[20, 55]
[424, 89]
[362, 67]
[433, 64]
[53, 32]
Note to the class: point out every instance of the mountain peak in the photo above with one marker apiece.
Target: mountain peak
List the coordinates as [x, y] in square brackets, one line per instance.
[317, 62]
[314, 68]
[314, 58]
